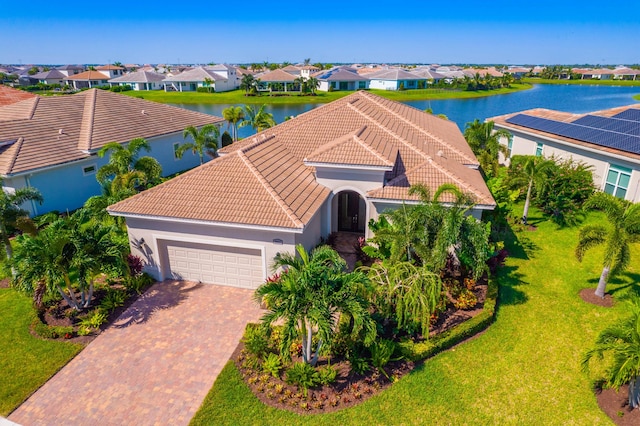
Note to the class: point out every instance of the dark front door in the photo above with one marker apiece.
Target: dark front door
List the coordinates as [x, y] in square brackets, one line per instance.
[349, 212]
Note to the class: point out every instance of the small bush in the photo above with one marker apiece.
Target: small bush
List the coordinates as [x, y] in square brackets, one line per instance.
[302, 375]
[327, 375]
[272, 364]
[51, 331]
[226, 139]
[139, 282]
[381, 353]
[94, 319]
[255, 340]
[113, 300]
[359, 365]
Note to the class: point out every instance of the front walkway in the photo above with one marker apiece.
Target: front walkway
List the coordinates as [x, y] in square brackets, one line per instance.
[154, 365]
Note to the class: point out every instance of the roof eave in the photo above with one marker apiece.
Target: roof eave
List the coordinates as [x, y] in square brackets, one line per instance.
[205, 222]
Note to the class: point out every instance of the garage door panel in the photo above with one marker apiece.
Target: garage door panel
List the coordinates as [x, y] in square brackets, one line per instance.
[233, 266]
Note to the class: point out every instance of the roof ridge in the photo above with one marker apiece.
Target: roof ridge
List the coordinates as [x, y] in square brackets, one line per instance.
[281, 203]
[420, 129]
[86, 127]
[392, 133]
[14, 156]
[36, 100]
[370, 148]
[332, 144]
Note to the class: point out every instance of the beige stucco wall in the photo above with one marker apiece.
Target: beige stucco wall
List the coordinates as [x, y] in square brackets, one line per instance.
[525, 144]
[269, 242]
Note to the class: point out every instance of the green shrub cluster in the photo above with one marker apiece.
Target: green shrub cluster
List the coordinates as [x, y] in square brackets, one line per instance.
[51, 331]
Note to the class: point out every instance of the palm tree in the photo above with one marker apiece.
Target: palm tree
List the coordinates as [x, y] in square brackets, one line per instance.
[312, 84]
[125, 168]
[96, 206]
[248, 83]
[623, 230]
[310, 295]
[621, 342]
[258, 119]
[204, 140]
[528, 170]
[11, 214]
[302, 83]
[485, 144]
[208, 82]
[233, 115]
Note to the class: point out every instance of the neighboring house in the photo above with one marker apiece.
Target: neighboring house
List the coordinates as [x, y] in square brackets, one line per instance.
[594, 74]
[229, 72]
[341, 78]
[625, 73]
[331, 169]
[140, 80]
[50, 142]
[307, 70]
[189, 81]
[292, 69]
[69, 70]
[431, 76]
[393, 79]
[112, 71]
[87, 80]
[50, 77]
[608, 140]
[483, 72]
[517, 72]
[278, 80]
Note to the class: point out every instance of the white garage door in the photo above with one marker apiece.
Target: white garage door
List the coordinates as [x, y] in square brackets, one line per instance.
[212, 264]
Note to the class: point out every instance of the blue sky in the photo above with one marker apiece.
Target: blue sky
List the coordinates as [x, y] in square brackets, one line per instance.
[494, 31]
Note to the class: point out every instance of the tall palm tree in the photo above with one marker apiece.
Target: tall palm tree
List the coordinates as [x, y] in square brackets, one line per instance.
[125, 167]
[233, 115]
[310, 295]
[11, 214]
[623, 230]
[622, 342]
[484, 141]
[258, 118]
[248, 83]
[208, 82]
[528, 170]
[302, 83]
[204, 140]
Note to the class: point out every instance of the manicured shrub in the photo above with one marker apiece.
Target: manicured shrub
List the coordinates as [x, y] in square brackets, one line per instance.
[255, 340]
[51, 331]
[302, 375]
[113, 300]
[272, 364]
[327, 375]
[381, 353]
[226, 139]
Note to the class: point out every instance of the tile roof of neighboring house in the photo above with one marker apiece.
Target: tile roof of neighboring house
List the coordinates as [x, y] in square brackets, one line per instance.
[291, 68]
[46, 131]
[54, 73]
[427, 73]
[196, 74]
[277, 75]
[483, 72]
[139, 77]
[263, 180]
[309, 67]
[70, 67]
[108, 68]
[89, 75]
[392, 74]
[339, 74]
[566, 117]
[9, 95]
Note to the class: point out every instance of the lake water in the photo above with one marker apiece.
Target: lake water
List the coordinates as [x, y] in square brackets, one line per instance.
[569, 98]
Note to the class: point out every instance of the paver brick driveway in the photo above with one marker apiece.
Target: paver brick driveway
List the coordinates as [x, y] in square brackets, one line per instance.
[154, 365]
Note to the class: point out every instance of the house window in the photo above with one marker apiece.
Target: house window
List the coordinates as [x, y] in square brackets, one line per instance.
[89, 170]
[617, 181]
[362, 85]
[509, 148]
[539, 147]
[176, 145]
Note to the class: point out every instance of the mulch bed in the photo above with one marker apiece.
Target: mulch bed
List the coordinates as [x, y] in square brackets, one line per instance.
[589, 296]
[616, 406]
[349, 389]
[5, 283]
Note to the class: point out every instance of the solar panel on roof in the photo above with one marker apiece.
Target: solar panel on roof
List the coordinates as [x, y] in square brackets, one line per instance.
[630, 114]
[618, 125]
[606, 138]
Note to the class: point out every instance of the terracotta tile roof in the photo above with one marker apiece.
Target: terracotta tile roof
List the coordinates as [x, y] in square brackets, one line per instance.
[566, 117]
[59, 129]
[263, 180]
[89, 75]
[392, 74]
[54, 73]
[109, 67]
[276, 76]
[9, 95]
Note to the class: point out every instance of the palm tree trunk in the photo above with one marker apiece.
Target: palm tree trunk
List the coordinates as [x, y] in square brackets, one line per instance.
[634, 392]
[526, 203]
[90, 296]
[72, 297]
[602, 284]
[316, 355]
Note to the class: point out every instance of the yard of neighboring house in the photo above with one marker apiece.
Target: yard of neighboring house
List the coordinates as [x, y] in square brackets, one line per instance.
[525, 369]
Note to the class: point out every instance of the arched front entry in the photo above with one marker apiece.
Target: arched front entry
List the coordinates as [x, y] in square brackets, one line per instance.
[351, 212]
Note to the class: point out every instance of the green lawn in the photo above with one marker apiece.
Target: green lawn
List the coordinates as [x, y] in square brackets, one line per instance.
[534, 80]
[524, 370]
[238, 97]
[26, 362]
